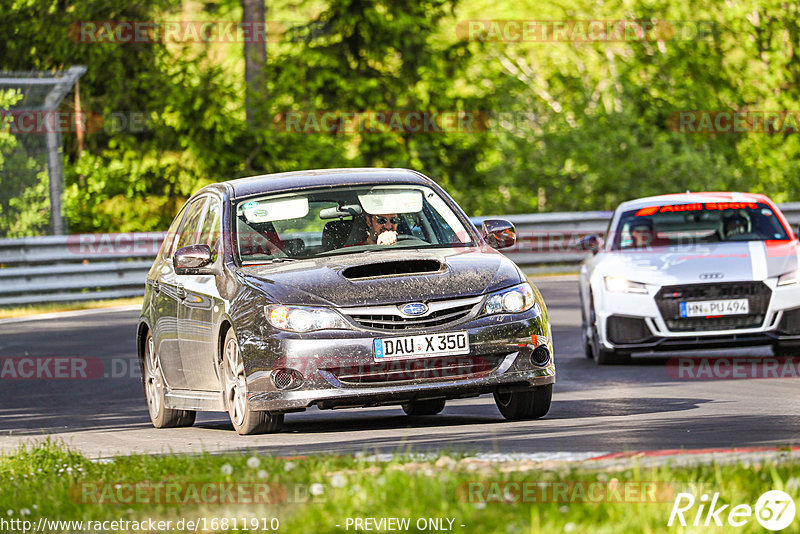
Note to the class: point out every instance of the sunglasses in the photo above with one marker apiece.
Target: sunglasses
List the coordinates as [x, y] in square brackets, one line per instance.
[384, 220]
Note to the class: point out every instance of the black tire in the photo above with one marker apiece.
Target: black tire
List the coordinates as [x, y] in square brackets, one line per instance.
[526, 404]
[600, 354]
[234, 387]
[424, 407]
[154, 387]
[585, 338]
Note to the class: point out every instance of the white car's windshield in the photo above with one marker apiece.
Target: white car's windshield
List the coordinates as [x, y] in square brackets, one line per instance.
[701, 222]
[339, 220]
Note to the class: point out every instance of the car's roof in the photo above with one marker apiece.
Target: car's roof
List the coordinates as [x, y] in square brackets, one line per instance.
[286, 181]
[688, 198]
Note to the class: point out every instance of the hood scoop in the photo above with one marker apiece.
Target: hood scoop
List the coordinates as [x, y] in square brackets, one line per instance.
[393, 268]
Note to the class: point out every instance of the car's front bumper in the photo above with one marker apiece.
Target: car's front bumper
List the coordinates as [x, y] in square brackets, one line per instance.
[634, 322]
[339, 368]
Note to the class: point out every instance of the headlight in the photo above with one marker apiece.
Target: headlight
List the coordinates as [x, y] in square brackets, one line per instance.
[619, 284]
[513, 300]
[789, 278]
[303, 318]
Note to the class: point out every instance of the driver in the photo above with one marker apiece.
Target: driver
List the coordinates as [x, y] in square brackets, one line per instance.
[642, 233]
[733, 225]
[381, 229]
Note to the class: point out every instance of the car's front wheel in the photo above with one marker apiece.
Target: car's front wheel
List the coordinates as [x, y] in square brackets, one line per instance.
[234, 388]
[526, 404]
[600, 354]
[424, 407]
[154, 390]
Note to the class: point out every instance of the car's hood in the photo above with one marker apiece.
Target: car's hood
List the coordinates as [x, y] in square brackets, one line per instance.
[322, 281]
[717, 262]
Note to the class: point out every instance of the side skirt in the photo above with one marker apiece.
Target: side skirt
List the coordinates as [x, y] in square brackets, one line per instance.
[187, 399]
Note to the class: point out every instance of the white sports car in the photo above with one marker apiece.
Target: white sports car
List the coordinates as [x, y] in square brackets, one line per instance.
[691, 271]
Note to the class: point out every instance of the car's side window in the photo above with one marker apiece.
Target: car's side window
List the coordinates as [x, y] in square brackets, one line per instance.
[189, 233]
[168, 247]
[211, 227]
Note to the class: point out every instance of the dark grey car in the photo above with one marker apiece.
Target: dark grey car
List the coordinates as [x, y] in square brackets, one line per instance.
[268, 297]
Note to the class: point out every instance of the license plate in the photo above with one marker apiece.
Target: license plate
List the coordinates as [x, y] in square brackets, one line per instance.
[714, 307]
[422, 346]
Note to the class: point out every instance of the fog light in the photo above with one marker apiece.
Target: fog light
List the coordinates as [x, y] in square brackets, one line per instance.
[287, 378]
[540, 355]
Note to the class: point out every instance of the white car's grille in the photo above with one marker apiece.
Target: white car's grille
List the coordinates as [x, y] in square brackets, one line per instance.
[669, 300]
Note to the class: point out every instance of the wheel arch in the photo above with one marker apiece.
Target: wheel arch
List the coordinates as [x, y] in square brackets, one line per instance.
[141, 335]
[225, 325]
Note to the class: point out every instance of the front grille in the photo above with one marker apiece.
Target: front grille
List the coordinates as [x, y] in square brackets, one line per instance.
[669, 299]
[390, 318]
[441, 368]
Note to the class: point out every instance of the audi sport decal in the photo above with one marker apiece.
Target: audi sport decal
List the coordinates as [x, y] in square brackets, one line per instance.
[697, 206]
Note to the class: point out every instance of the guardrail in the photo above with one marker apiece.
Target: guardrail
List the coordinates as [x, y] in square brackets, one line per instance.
[103, 266]
[37, 270]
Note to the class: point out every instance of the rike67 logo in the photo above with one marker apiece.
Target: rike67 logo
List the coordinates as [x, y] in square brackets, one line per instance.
[774, 510]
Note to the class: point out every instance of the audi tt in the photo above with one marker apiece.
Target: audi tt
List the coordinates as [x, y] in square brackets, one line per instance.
[691, 271]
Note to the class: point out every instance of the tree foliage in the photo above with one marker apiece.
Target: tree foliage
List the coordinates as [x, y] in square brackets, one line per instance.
[574, 126]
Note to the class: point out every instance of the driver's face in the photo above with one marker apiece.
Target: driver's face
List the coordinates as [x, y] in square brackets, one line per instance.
[383, 223]
[642, 236]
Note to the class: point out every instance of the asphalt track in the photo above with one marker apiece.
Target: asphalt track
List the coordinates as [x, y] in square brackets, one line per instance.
[643, 406]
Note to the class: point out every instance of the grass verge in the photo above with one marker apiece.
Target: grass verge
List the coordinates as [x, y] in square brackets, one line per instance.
[55, 307]
[328, 493]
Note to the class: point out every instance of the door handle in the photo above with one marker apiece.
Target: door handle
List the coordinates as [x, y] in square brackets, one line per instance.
[181, 292]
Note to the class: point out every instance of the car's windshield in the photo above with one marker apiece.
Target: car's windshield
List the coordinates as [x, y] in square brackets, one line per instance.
[701, 222]
[340, 220]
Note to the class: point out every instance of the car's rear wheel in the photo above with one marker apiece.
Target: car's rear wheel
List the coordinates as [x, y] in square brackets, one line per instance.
[424, 407]
[526, 404]
[600, 354]
[234, 388]
[155, 388]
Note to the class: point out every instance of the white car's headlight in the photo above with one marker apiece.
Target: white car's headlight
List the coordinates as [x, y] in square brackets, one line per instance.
[789, 278]
[512, 300]
[620, 284]
[303, 318]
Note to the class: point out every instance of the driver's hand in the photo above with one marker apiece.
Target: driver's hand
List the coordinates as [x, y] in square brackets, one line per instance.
[387, 238]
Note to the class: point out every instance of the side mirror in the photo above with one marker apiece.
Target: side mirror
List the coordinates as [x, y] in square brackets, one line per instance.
[499, 233]
[590, 243]
[189, 260]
